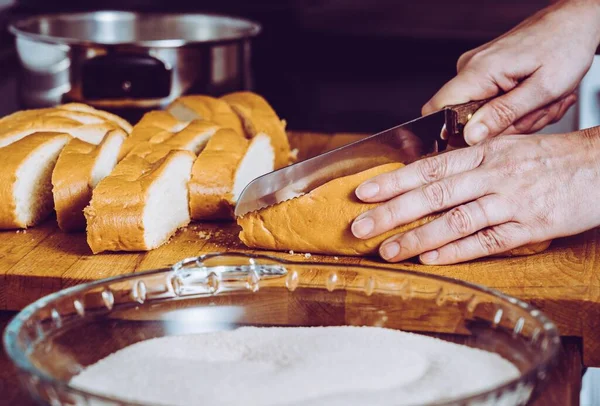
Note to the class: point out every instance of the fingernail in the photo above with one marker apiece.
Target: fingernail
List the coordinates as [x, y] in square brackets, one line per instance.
[367, 190]
[429, 257]
[363, 227]
[390, 250]
[477, 132]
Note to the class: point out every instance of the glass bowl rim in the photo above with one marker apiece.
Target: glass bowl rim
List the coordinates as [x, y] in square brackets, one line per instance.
[21, 360]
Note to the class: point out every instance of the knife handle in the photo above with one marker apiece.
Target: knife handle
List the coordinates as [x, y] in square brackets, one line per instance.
[457, 117]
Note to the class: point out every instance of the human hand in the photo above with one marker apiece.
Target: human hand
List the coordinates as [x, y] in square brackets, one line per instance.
[537, 66]
[503, 193]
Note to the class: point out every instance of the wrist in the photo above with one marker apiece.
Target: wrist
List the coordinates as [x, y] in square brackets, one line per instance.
[589, 15]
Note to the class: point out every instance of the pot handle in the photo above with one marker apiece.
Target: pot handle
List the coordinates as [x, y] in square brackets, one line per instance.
[125, 76]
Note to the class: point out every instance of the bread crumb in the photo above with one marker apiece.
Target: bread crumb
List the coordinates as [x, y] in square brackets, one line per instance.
[336, 258]
[24, 231]
[204, 235]
[307, 255]
[291, 252]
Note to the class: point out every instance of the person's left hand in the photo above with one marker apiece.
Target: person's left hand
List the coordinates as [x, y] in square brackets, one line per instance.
[503, 193]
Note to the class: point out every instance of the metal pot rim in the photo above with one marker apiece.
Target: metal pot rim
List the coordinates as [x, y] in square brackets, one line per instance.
[29, 28]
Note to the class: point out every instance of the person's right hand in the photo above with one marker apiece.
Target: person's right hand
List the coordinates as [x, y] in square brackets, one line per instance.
[537, 65]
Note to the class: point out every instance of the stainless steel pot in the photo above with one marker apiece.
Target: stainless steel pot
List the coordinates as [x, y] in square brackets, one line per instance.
[122, 60]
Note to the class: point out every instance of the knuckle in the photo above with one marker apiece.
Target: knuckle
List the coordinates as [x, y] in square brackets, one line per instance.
[459, 220]
[412, 241]
[387, 214]
[394, 181]
[435, 195]
[491, 241]
[503, 113]
[478, 59]
[463, 60]
[432, 169]
[452, 252]
[496, 147]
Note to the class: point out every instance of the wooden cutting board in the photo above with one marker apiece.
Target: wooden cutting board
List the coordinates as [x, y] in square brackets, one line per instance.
[564, 281]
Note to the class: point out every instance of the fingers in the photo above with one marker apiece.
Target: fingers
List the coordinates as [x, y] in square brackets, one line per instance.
[457, 223]
[467, 86]
[489, 241]
[388, 185]
[537, 120]
[499, 114]
[420, 202]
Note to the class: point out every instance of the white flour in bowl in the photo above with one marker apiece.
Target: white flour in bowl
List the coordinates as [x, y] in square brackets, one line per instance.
[295, 366]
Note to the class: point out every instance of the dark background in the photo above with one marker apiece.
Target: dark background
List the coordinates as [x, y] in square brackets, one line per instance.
[345, 65]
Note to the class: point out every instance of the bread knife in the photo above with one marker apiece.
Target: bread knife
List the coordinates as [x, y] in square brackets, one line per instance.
[406, 143]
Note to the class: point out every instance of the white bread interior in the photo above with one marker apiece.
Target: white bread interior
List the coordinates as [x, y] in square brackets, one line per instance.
[142, 203]
[258, 117]
[168, 191]
[25, 179]
[258, 160]
[106, 159]
[80, 167]
[221, 172]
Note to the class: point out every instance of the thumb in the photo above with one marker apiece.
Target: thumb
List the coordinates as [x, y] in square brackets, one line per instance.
[502, 112]
[468, 85]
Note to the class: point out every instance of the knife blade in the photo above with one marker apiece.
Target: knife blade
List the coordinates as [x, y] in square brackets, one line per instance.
[406, 143]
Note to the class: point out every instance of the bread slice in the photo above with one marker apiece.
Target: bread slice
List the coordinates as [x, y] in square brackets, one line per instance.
[25, 179]
[259, 117]
[149, 125]
[113, 118]
[228, 163]
[319, 221]
[141, 204]
[145, 200]
[159, 126]
[78, 120]
[80, 167]
[188, 108]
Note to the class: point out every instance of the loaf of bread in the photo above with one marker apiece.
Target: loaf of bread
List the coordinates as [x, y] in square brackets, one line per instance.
[25, 179]
[189, 108]
[258, 117]
[80, 167]
[224, 168]
[319, 221]
[145, 200]
[78, 120]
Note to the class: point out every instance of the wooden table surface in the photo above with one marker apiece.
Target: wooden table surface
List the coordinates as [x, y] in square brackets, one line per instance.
[564, 281]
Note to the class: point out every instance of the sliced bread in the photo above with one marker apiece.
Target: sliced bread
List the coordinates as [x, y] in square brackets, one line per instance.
[188, 108]
[80, 167]
[25, 179]
[145, 200]
[224, 168]
[258, 117]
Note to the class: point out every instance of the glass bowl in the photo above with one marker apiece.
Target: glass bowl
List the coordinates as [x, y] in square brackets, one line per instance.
[54, 338]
